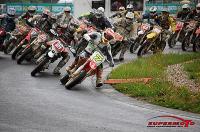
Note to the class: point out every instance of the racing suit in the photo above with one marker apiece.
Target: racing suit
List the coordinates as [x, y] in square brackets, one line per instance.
[126, 30]
[8, 23]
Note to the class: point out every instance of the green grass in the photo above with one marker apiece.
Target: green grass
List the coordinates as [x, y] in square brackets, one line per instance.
[193, 69]
[158, 91]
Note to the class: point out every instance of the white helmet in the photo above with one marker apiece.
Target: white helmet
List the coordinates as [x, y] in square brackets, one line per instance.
[31, 8]
[129, 6]
[198, 5]
[67, 9]
[46, 11]
[185, 6]
[11, 12]
[101, 9]
[130, 15]
[153, 9]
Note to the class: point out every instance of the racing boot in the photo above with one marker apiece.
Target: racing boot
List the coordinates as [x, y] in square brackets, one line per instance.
[61, 64]
[99, 81]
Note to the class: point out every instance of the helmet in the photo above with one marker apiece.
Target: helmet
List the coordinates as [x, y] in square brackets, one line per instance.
[101, 9]
[185, 6]
[11, 12]
[53, 18]
[31, 9]
[165, 10]
[129, 6]
[121, 8]
[67, 9]
[46, 11]
[130, 15]
[99, 14]
[198, 5]
[108, 35]
[153, 9]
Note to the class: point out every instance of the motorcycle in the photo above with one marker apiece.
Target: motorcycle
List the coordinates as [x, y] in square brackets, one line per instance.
[178, 35]
[34, 49]
[196, 44]
[144, 28]
[189, 34]
[31, 36]
[117, 45]
[56, 48]
[15, 38]
[85, 70]
[154, 42]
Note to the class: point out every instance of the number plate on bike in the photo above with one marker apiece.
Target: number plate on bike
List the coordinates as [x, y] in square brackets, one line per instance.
[97, 57]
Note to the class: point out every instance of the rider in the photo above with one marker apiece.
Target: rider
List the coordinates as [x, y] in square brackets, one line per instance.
[130, 8]
[68, 22]
[120, 14]
[125, 27]
[98, 19]
[8, 20]
[99, 40]
[184, 13]
[152, 16]
[65, 17]
[195, 14]
[8, 23]
[27, 16]
[166, 22]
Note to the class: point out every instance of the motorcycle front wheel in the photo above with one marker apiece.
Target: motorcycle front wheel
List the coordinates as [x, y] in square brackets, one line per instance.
[143, 49]
[76, 80]
[39, 66]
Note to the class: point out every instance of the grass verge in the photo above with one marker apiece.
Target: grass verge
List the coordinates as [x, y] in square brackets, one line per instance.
[193, 68]
[159, 91]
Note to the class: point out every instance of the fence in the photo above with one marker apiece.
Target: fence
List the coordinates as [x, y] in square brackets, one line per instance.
[55, 8]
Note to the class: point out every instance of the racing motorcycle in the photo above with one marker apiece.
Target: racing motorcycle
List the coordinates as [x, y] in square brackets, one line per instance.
[86, 69]
[178, 35]
[144, 28]
[154, 42]
[189, 35]
[196, 44]
[16, 37]
[32, 34]
[117, 45]
[34, 49]
[56, 48]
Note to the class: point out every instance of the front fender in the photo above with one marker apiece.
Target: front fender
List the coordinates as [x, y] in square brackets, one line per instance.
[151, 35]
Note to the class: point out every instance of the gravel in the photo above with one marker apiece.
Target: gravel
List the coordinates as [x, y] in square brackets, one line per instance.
[180, 78]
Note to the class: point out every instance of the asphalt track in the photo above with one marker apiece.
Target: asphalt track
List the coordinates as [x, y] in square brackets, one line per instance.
[41, 104]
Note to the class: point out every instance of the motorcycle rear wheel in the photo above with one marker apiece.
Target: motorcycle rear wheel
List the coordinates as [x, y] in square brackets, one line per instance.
[64, 79]
[24, 55]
